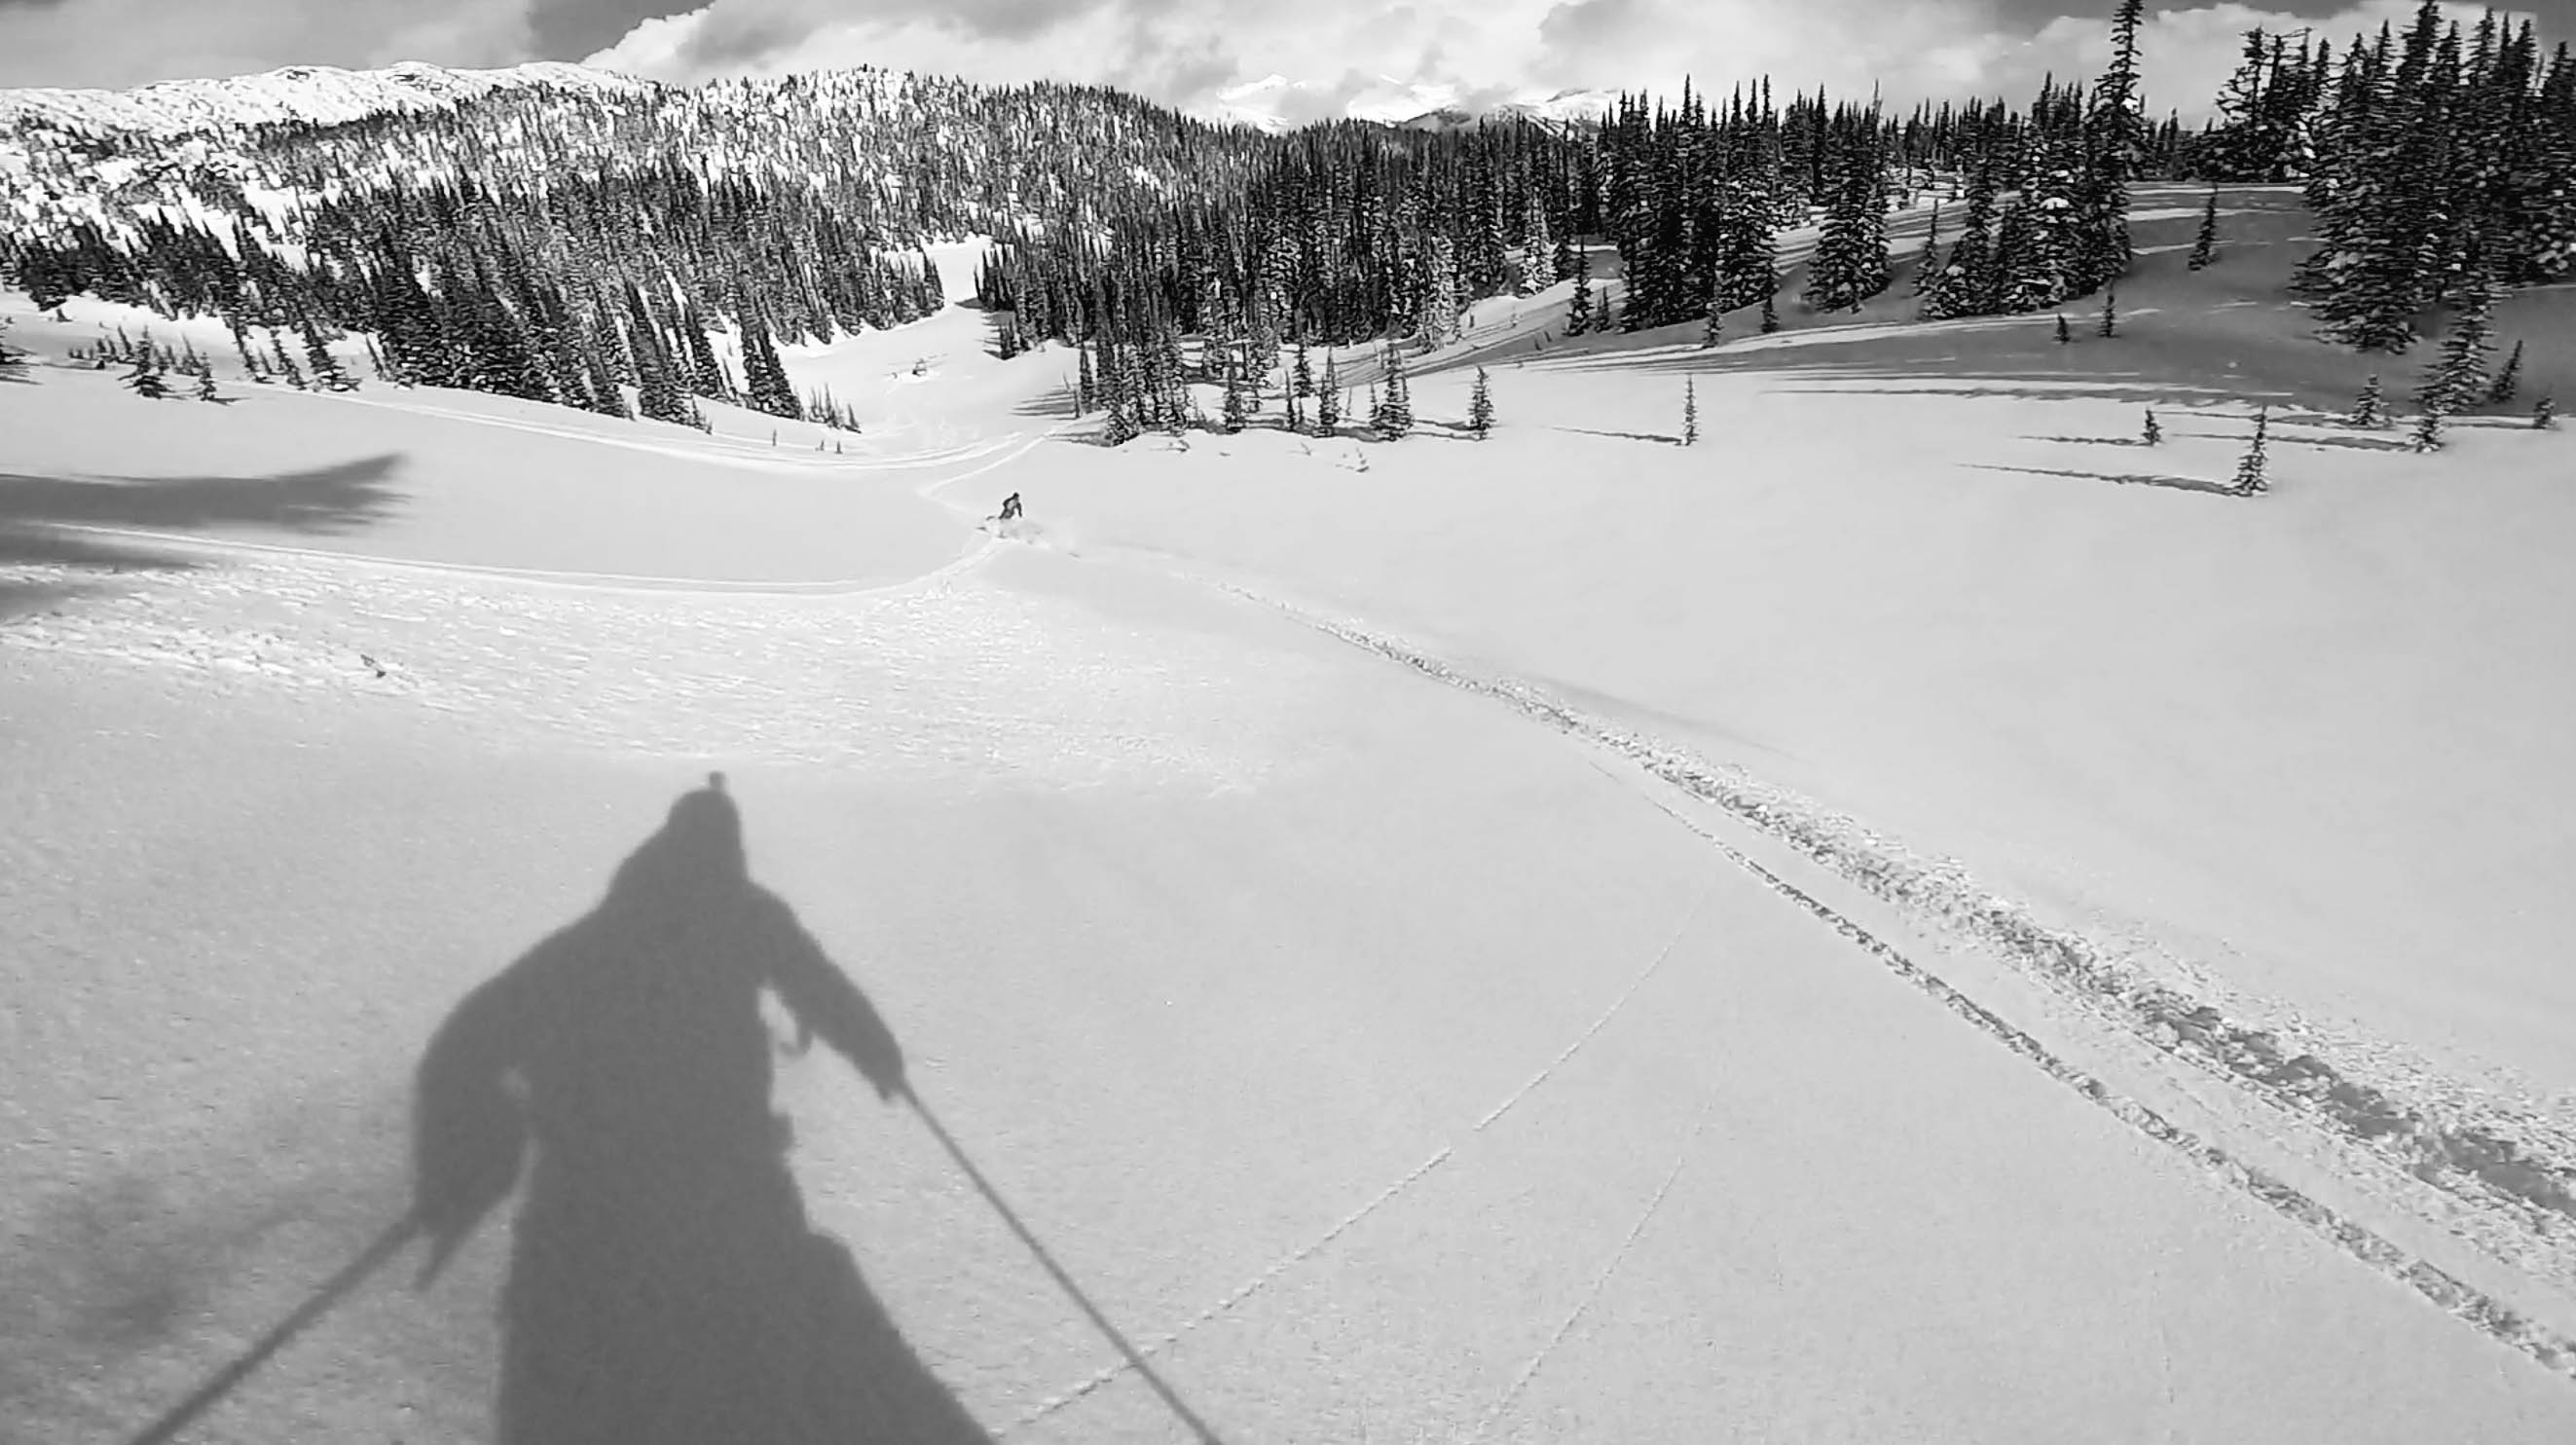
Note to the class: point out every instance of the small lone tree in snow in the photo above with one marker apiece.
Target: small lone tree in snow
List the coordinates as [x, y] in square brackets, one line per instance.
[1715, 330]
[145, 379]
[1328, 401]
[2371, 411]
[2544, 415]
[2154, 432]
[1480, 407]
[1770, 313]
[2110, 323]
[205, 389]
[1301, 378]
[1690, 411]
[2427, 435]
[2204, 247]
[2508, 379]
[2065, 333]
[2249, 468]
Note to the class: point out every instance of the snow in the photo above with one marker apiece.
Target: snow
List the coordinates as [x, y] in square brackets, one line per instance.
[1578, 938]
[1277, 104]
[316, 94]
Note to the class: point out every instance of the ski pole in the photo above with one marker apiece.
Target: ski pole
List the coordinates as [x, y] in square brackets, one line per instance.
[180, 1416]
[1135, 1358]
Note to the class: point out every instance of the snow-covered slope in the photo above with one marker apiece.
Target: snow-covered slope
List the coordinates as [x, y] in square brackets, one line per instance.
[319, 94]
[1909, 920]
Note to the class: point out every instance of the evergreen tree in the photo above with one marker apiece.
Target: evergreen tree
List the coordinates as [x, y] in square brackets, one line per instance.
[2371, 410]
[2508, 379]
[1480, 406]
[205, 388]
[328, 374]
[1928, 261]
[2154, 434]
[1770, 311]
[2544, 414]
[144, 379]
[1578, 311]
[605, 395]
[2427, 436]
[2249, 468]
[1850, 263]
[1714, 330]
[1085, 387]
[2110, 323]
[1328, 400]
[2204, 247]
[2459, 376]
[1301, 377]
[1238, 398]
[1690, 411]
[1398, 414]
[284, 363]
[658, 396]
[1121, 427]
[2064, 333]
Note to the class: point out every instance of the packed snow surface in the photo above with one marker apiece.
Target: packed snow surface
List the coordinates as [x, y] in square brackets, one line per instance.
[1908, 920]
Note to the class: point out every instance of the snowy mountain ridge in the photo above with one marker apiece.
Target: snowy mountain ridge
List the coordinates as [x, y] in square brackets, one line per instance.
[319, 94]
[1277, 105]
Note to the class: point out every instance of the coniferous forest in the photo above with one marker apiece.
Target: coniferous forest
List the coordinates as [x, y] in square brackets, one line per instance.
[566, 245]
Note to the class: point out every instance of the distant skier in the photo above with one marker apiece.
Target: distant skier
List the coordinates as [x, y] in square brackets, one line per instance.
[1011, 507]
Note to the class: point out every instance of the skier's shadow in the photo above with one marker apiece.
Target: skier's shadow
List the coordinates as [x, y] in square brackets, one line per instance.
[664, 1283]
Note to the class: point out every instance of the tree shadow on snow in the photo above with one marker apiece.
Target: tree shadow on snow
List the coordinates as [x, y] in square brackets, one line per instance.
[2144, 479]
[1629, 436]
[665, 1285]
[38, 515]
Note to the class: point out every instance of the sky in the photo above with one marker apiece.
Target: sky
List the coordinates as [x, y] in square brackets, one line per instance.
[1191, 53]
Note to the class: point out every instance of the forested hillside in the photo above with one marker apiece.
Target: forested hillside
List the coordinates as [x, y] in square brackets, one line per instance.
[569, 242]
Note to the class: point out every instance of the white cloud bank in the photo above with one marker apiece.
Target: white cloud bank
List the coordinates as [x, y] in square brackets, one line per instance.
[1190, 54]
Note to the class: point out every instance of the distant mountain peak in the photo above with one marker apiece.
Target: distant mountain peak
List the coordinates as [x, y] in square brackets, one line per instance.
[1276, 103]
[319, 94]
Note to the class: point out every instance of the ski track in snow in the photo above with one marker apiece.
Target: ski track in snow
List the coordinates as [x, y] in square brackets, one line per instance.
[940, 674]
[1298, 1256]
[2524, 1232]
[1600, 1280]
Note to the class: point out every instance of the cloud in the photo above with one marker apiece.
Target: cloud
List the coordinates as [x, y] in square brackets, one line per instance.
[1342, 53]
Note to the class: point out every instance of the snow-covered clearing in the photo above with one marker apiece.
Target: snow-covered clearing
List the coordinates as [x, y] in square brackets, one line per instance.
[1464, 950]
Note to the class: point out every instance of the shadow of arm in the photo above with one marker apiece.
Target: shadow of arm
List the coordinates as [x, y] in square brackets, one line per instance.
[469, 1128]
[826, 1003]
